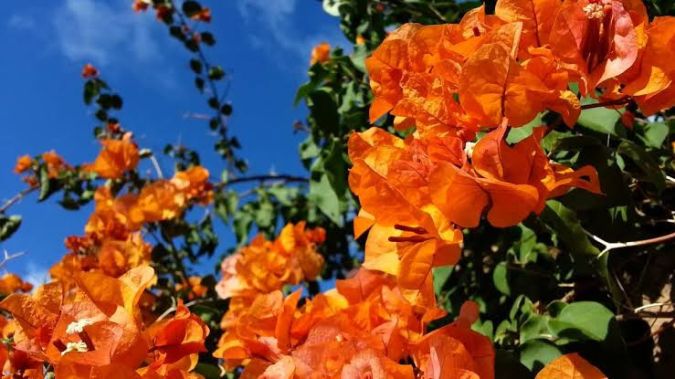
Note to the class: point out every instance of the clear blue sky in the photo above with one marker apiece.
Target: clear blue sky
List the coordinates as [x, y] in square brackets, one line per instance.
[263, 44]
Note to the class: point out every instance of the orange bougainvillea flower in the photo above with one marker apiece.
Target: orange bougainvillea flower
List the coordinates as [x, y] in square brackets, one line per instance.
[510, 182]
[654, 87]
[456, 351]
[194, 287]
[203, 15]
[180, 336]
[55, 164]
[320, 53]
[89, 71]
[11, 283]
[570, 366]
[266, 266]
[162, 11]
[599, 38]
[537, 17]
[363, 327]
[140, 5]
[116, 158]
[194, 183]
[23, 164]
[408, 234]
[117, 257]
[434, 75]
[517, 91]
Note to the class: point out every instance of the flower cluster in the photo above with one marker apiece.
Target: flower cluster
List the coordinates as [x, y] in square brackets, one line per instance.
[462, 87]
[94, 329]
[519, 62]
[363, 327]
[113, 242]
[51, 162]
[96, 318]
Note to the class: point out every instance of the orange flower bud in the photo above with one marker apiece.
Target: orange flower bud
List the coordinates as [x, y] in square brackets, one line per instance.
[320, 53]
[23, 163]
[89, 71]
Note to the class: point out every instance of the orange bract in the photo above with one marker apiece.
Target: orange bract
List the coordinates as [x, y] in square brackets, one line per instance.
[266, 266]
[414, 192]
[116, 158]
[23, 164]
[11, 283]
[89, 71]
[320, 53]
[54, 163]
[570, 366]
[94, 330]
[363, 327]
[203, 15]
[532, 49]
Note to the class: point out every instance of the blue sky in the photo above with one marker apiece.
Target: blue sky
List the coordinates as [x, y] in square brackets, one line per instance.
[263, 44]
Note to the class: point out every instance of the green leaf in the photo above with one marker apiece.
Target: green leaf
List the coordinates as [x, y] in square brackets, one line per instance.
[590, 318]
[308, 150]
[565, 223]
[441, 275]
[324, 110]
[643, 160]
[332, 7]
[45, 183]
[208, 38]
[536, 354]
[209, 371]
[527, 244]
[322, 194]
[264, 215]
[242, 225]
[359, 57]
[508, 366]
[196, 66]
[534, 328]
[500, 278]
[91, 90]
[601, 120]
[191, 8]
[216, 73]
[8, 226]
[654, 134]
[520, 133]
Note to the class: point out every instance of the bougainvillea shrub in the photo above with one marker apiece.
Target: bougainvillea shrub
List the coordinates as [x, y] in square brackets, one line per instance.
[489, 194]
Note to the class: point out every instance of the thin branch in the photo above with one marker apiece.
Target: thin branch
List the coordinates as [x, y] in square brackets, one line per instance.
[265, 178]
[607, 246]
[174, 307]
[8, 257]
[622, 101]
[155, 164]
[647, 306]
[16, 198]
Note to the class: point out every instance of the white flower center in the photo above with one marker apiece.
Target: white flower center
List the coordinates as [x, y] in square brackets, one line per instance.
[76, 327]
[468, 149]
[79, 347]
[594, 11]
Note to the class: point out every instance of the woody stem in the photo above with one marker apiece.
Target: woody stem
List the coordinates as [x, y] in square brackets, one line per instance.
[16, 198]
[264, 178]
[621, 101]
[621, 245]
